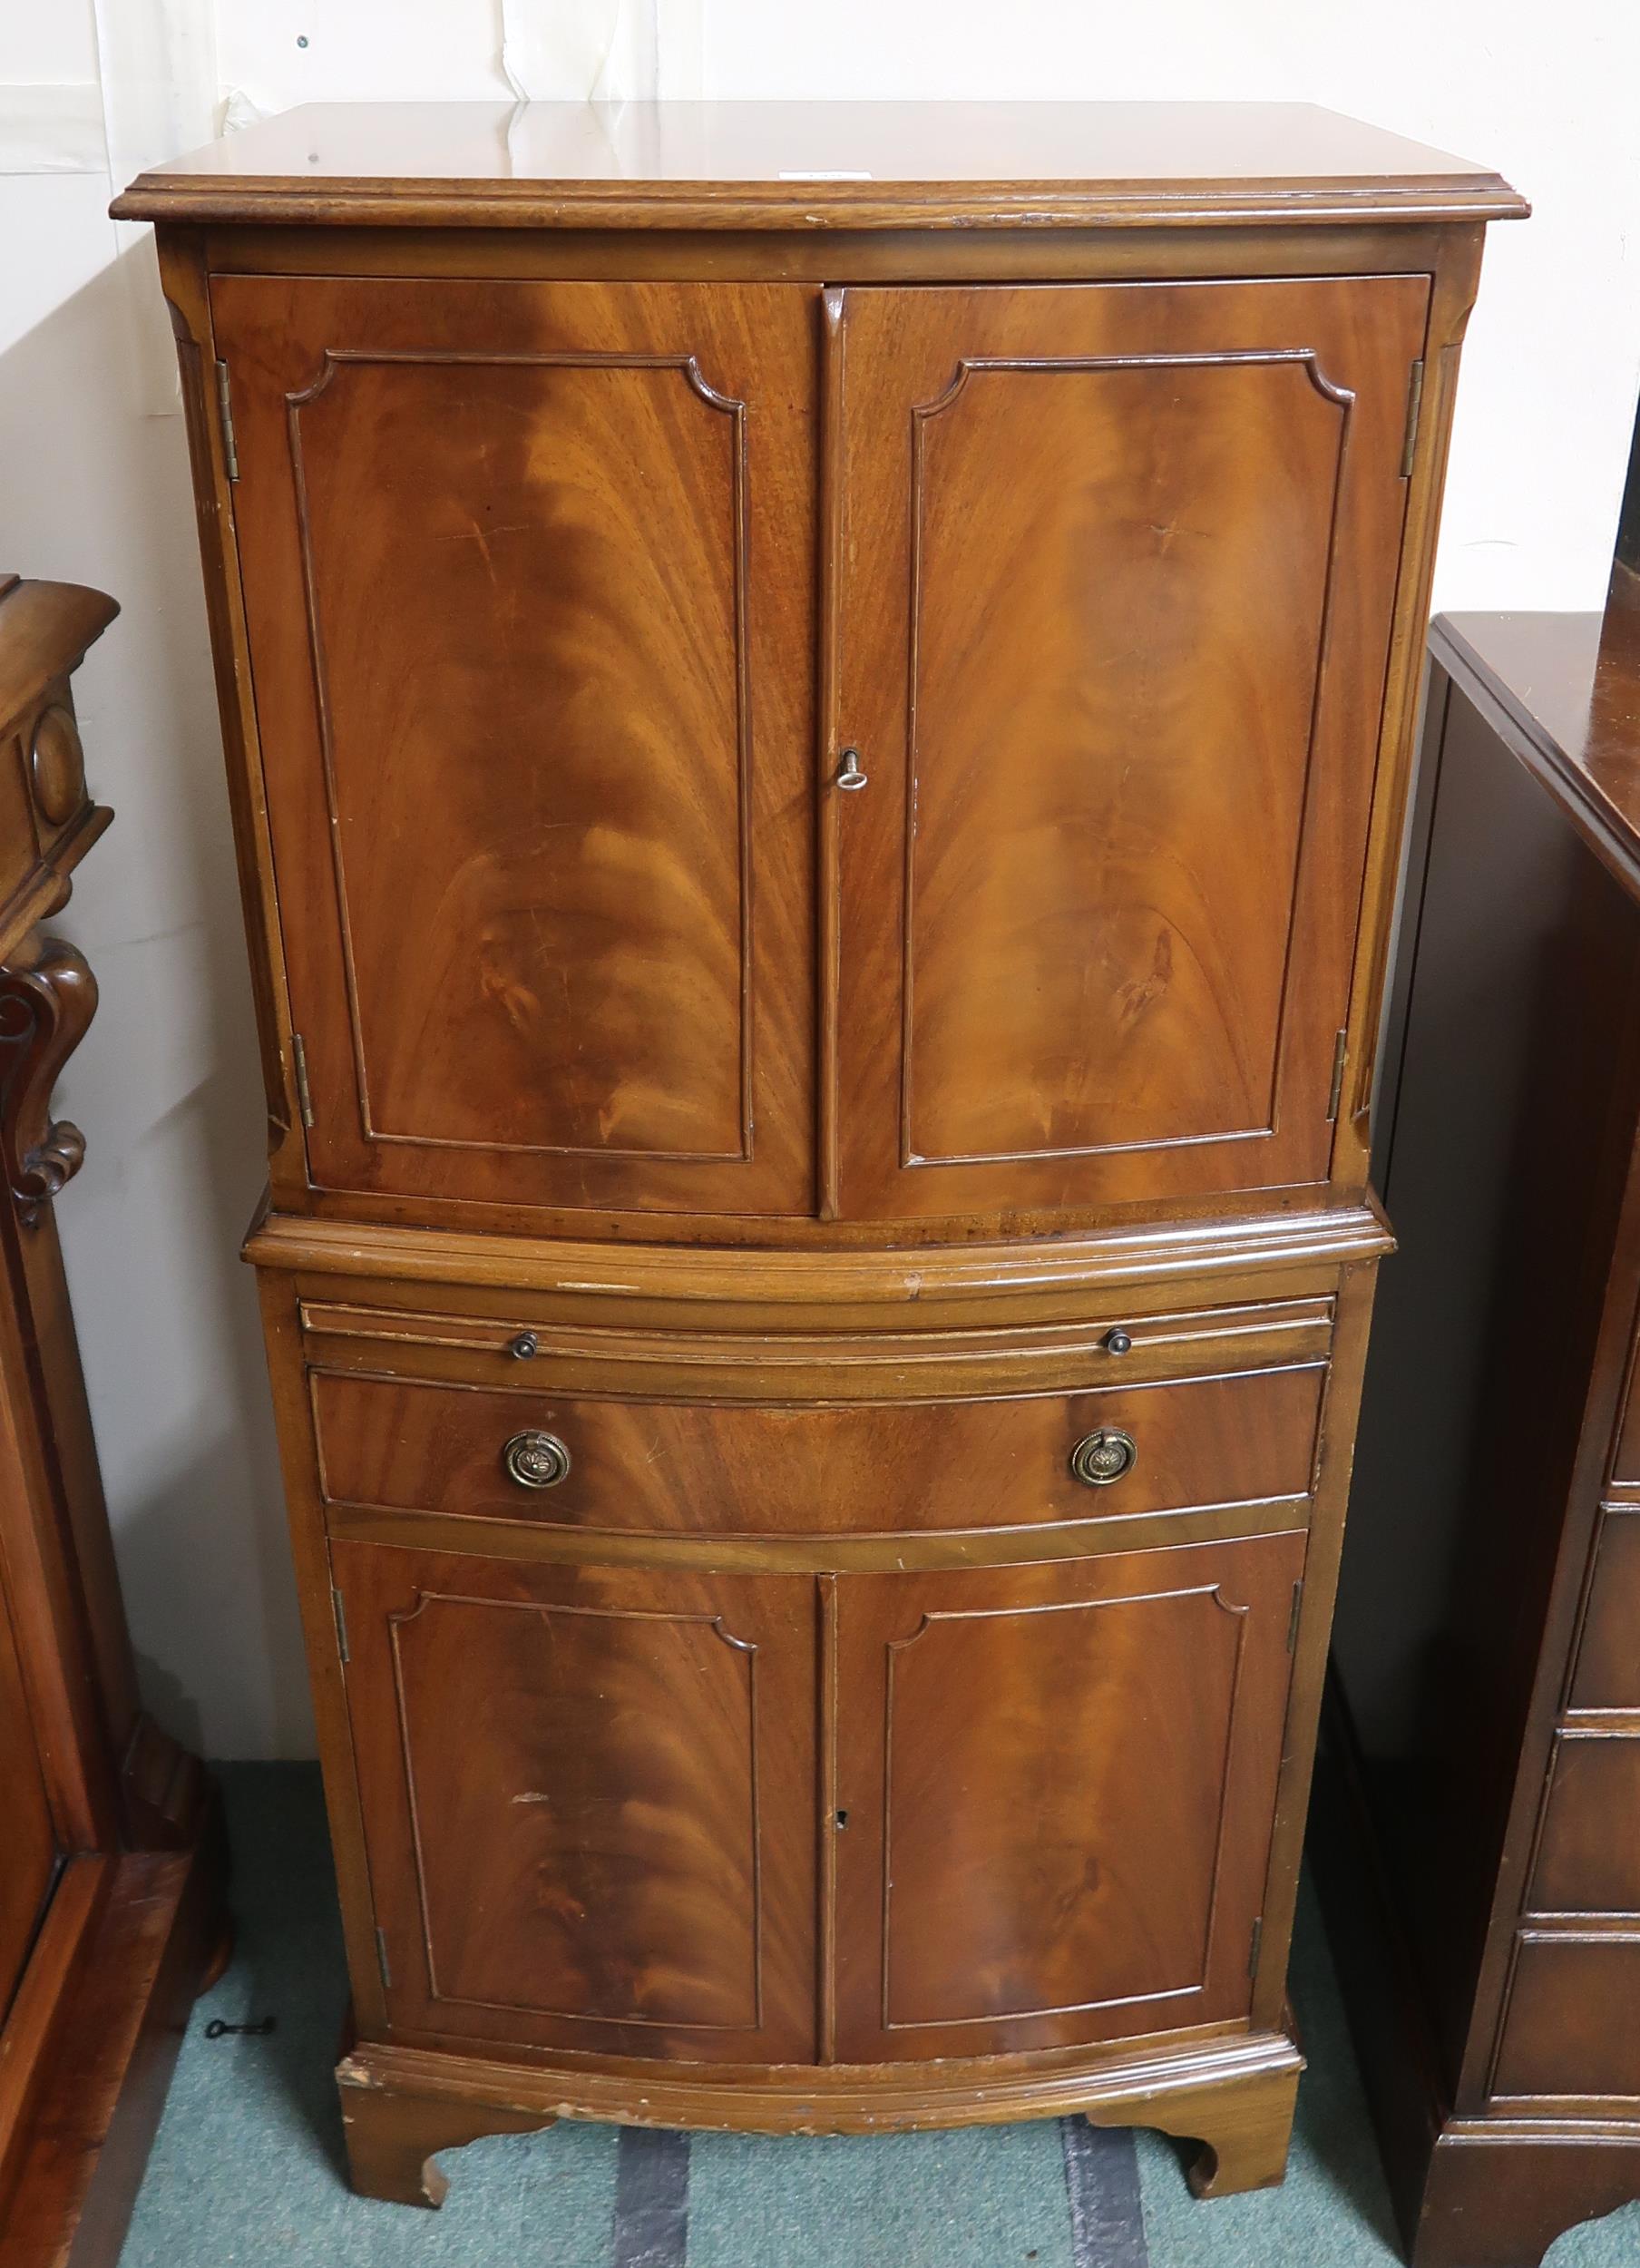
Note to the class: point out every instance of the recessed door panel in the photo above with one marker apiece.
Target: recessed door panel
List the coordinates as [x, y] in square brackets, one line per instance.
[589, 1801]
[1117, 564]
[1058, 1785]
[528, 582]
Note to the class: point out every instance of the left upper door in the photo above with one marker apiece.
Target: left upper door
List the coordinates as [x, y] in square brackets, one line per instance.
[527, 573]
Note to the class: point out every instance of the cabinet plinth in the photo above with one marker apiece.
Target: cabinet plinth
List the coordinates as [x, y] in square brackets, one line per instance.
[818, 771]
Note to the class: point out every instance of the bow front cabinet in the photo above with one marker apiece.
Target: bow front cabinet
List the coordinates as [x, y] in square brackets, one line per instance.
[817, 707]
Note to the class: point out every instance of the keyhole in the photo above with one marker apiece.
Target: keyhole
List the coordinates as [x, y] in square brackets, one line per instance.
[839, 1820]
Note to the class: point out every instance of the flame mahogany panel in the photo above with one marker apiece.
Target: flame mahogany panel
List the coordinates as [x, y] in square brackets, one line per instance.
[527, 573]
[1058, 1786]
[1120, 562]
[589, 1801]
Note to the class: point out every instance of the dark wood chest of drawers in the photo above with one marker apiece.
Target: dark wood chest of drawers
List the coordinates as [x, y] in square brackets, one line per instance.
[1488, 1636]
[818, 758]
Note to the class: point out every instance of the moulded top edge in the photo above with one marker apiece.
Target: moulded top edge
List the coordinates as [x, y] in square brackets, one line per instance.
[814, 166]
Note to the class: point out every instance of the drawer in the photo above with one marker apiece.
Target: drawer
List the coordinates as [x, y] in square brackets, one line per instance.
[1607, 1674]
[423, 1445]
[1588, 1856]
[1569, 2025]
[536, 1347]
[1626, 1456]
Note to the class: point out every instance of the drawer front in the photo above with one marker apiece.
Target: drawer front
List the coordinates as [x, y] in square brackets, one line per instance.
[536, 1346]
[1588, 1858]
[1607, 1671]
[1626, 1456]
[1570, 2029]
[421, 1445]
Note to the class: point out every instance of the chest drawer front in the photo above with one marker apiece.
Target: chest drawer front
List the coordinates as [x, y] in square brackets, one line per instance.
[1626, 1457]
[1588, 1856]
[1569, 2031]
[423, 1446]
[1607, 1671]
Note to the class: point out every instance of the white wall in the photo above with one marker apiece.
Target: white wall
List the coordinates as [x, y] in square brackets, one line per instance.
[1547, 94]
[93, 487]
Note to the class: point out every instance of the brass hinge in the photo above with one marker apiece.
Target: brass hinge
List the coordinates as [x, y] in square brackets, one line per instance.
[304, 1093]
[1298, 1600]
[341, 1613]
[1255, 1949]
[1414, 404]
[1340, 1047]
[225, 407]
[381, 1960]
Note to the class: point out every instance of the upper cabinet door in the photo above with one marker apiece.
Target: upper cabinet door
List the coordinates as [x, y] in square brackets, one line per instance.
[1111, 586]
[529, 577]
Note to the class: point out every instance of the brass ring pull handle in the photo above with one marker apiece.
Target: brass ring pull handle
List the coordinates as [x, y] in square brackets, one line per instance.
[1103, 1456]
[536, 1460]
[849, 774]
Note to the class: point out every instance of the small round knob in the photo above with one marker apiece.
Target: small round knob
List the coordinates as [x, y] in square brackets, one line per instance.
[1103, 1456]
[1117, 1342]
[536, 1460]
[522, 1344]
[59, 765]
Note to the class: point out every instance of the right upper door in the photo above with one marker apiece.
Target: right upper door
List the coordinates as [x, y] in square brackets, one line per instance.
[1112, 581]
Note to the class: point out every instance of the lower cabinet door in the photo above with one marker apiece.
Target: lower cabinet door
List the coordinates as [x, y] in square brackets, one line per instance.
[1056, 1786]
[589, 1801]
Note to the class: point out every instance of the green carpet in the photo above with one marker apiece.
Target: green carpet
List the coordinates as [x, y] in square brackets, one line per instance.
[247, 2171]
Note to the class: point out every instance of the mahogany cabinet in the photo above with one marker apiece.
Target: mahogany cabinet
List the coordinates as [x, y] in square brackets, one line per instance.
[110, 1865]
[1483, 1793]
[817, 703]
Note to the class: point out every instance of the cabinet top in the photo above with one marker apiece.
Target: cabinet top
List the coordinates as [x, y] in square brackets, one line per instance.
[1563, 693]
[814, 166]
